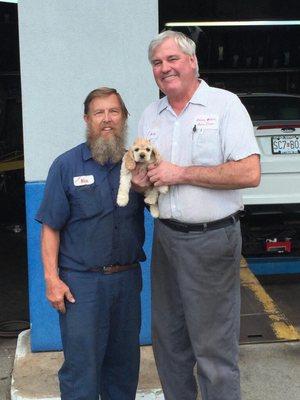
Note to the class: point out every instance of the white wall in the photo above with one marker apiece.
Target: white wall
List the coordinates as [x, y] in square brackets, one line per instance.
[67, 49]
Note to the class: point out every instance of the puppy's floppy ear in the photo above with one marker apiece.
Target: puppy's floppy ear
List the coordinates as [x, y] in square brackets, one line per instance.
[155, 156]
[129, 160]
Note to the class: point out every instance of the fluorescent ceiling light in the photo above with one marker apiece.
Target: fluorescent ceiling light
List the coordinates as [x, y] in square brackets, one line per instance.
[231, 23]
[9, 1]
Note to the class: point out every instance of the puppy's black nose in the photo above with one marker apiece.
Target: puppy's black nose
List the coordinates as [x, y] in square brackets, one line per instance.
[142, 155]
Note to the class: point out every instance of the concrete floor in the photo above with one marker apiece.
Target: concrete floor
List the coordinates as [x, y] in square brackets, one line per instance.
[7, 355]
[268, 371]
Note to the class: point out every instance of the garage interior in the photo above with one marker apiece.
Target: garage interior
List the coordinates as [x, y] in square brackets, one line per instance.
[13, 281]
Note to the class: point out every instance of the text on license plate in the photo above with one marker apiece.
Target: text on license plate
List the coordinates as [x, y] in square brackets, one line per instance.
[286, 144]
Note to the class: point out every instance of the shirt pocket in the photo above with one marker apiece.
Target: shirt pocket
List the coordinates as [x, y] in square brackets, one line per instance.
[206, 147]
[91, 200]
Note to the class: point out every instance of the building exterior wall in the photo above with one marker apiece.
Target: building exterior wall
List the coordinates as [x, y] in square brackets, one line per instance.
[67, 49]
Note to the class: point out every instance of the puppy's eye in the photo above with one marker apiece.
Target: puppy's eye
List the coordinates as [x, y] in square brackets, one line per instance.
[147, 149]
[136, 149]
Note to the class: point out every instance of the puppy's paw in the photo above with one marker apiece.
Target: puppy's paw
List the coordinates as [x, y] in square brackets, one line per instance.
[163, 189]
[154, 211]
[122, 199]
[151, 196]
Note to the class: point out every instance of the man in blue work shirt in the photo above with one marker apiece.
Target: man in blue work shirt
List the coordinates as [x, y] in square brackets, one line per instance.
[91, 251]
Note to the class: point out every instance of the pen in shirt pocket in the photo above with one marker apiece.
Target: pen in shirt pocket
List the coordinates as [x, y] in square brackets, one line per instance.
[196, 129]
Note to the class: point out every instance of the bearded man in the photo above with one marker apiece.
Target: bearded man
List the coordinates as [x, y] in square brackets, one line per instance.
[91, 251]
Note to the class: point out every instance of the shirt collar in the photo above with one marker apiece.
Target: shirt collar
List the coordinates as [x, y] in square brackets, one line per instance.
[201, 94]
[163, 104]
[199, 97]
[86, 152]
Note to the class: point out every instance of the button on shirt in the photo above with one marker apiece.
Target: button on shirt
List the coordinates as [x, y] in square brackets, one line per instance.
[213, 128]
[80, 202]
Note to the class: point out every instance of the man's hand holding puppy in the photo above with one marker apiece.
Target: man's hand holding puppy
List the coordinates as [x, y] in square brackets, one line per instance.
[165, 173]
[159, 174]
[140, 180]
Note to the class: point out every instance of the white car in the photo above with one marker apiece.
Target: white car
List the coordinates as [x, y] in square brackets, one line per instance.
[271, 226]
[276, 123]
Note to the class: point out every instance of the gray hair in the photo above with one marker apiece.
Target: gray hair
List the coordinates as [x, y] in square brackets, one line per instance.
[185, 44]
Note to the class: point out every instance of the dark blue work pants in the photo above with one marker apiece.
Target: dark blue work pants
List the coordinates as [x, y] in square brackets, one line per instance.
[100, 336]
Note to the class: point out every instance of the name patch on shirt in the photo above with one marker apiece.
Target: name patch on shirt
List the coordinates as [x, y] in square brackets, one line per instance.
[83, 180]
[152, 135]
[207, 122]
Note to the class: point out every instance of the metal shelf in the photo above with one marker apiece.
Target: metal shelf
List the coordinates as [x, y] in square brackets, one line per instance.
[249, 71]
[9, 73]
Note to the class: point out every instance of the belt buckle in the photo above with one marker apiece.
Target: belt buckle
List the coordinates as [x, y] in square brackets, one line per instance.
[106, 268]
[185, 227]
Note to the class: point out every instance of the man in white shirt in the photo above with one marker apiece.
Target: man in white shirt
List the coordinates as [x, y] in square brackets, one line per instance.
[206, 139]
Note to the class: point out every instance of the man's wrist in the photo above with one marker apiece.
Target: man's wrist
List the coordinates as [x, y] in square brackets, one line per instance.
[51, 277]
[182, 176]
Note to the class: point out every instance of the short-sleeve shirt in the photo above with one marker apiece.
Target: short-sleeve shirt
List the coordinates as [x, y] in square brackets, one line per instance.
[80, 202]
[212, 129]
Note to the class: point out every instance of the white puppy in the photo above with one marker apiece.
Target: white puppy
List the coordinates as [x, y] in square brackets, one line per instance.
[141, 152]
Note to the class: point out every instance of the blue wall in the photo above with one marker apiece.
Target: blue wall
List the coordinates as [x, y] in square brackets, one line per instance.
[45, 333]
[274, 266]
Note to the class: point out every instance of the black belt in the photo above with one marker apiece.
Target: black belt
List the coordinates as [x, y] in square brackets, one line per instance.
[206, 226]
[112, 269]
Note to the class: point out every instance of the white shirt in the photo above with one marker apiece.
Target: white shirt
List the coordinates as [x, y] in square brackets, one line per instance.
[213, 128]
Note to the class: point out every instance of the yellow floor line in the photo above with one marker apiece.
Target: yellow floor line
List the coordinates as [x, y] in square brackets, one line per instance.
[281, 327]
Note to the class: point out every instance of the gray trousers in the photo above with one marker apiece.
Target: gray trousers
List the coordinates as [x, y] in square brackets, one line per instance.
[196, 311]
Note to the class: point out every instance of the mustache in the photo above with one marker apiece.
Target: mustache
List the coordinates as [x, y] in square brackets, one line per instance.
[104, 150]
[95, 132]
[166, 75]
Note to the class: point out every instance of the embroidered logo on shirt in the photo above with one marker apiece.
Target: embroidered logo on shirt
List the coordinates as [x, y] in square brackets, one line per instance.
[83, 180]
[207, 122]
[152, 135]
[153, 131]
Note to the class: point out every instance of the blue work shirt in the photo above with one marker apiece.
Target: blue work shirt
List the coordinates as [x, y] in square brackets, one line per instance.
[94, 231]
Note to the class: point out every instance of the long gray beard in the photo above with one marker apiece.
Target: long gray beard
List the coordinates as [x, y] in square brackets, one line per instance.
[105, 150]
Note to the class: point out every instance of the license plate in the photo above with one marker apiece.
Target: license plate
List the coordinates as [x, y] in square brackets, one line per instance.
[286, 144]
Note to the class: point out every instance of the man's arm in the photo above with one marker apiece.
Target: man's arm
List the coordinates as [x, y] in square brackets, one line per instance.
[56, 289]
[230, 175]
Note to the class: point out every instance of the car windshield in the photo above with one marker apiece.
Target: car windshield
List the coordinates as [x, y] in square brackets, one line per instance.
[263, 108]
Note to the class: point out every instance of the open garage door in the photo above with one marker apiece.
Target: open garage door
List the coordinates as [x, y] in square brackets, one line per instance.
[13, 266]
